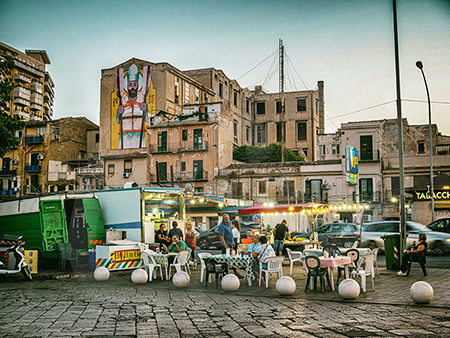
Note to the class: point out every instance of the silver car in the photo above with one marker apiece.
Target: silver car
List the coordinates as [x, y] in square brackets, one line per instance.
[438, 242]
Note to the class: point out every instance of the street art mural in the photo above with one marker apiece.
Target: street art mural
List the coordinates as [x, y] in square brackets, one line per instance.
[132, 102]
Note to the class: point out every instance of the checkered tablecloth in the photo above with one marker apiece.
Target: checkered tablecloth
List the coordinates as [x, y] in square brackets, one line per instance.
[237, 261]
[162, 258]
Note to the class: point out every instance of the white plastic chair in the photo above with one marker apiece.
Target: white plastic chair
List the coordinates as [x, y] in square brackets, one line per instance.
[150, 265]
[180, 261]
[355, 245]
[201, 256]
[368, 270]
[375, 252]
[294, 256]
[274, 264]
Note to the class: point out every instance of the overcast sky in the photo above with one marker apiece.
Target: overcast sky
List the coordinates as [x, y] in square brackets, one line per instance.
[347, 44]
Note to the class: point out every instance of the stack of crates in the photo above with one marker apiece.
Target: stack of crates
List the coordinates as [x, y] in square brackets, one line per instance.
[31, 257]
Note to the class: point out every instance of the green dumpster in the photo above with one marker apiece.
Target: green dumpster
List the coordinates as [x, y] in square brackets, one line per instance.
[392, 251]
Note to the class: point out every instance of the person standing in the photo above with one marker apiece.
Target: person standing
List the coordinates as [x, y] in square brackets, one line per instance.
[175, 230]
[236, 228]
[279, 233]
[190, 238]
[226, 237]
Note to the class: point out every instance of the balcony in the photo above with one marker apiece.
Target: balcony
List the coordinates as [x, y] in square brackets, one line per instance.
[443, 149]
[34, 139]
[184, 176]
[178, 147]
[7, 173]
[22, 78]
[89, 171]
[48, 88]
[370, 157]
[22, 92]
[36, 98]
[32, 168]
[48, 98]
[23, 102]
[37, 87]
[28, 69]
[21, 113]
[368, 196]
[36, 106]
[35, 118]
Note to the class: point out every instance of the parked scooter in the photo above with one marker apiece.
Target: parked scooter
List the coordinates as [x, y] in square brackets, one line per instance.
[12, 259]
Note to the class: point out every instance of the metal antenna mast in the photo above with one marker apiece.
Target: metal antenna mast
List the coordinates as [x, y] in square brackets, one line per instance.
[281, 80]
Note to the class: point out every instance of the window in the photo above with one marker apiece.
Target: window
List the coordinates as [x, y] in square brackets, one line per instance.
[5, 164]
[220, 89]
[281, 132]
[236, 188]
[322, 150]
[42, 131]
[278, 107]
[305, 151]
[235, 129]
[301, 104]
[198, 169]
[261, 133]
[395, 186]
[19, 133]
[198, 139]
[110, 169]
[161, 168]
[301, 131]
[336, 149]
[183, 166]
[260, 108]
[421, 147]
[366, 147]
[97, 138]
[198, 190]
[247, 134]
[366, 189]
[196, 95]
[235, 98]
[291, 185]
[262, 187]
[247, 106]
[54, 130]
[186, 92]
[184, 135]
[127, 166]
[177, 90]
[162, 141]
[317, 107]
[313, 191]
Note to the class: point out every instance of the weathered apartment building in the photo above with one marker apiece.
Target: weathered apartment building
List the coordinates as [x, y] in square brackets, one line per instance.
[325, 180]
[163, 126]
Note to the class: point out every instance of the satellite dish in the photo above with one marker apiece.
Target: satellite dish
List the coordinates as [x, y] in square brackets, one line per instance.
[188, 187]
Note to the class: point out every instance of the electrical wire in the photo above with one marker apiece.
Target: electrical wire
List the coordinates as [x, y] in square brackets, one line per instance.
[276, 50]
[363, 109]
[289, 60]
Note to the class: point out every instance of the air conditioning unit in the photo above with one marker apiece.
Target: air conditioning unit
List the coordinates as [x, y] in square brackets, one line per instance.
[125, 175]
[15, 189]
[15, 162]
[325, 186]
[40, 157]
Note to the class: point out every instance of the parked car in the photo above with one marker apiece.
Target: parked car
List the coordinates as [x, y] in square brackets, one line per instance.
[330, 231]
[438, 242]
[441, 225]
[211, 237]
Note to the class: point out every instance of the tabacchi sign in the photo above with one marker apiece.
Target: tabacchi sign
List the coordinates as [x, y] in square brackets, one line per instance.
[443, 195]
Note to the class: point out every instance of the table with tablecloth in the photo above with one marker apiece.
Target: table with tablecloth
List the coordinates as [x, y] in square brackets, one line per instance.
[245, 262]
[333, 263]
[319, 252]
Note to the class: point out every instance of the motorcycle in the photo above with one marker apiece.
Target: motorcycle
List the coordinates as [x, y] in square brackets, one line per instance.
[12, 258]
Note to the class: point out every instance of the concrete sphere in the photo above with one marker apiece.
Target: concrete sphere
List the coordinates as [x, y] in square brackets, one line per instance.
[421, 292]
[349, 289]
[101, 274]
[230, 282]
[181, 279]
[139, 276]
[285, 286]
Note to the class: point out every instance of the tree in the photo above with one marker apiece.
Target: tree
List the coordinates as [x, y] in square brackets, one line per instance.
[8, 124]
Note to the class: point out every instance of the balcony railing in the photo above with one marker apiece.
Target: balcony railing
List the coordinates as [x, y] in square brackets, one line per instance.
[22, 93]
[443, 149]
[23, 78]
[21, 113]
[35, 118]
[88, 171]
[374, 156]
[8, 173]
[28, 69]
[185, 176]
[179, 147]
[32, 168]
[10, 192]
[36, 106]
[36, 98]
[23, 102]
[48, 88]
[34, 139]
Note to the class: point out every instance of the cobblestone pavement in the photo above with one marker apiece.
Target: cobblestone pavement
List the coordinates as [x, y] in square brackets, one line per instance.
[80, 306]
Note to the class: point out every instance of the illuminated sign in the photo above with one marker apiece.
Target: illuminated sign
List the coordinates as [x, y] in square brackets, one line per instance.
[443, 195]
[351, 164]
[125, 255]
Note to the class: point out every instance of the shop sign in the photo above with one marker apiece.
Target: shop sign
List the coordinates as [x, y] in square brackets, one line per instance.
[443, 195]
[125, 255]
[351, 164]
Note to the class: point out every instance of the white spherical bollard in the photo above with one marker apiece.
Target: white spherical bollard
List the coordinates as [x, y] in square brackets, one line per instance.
[285, 286]
[421, 292]
[181, 279]
[139, 276]
[230, 282]
[349, 289]
[101, 274]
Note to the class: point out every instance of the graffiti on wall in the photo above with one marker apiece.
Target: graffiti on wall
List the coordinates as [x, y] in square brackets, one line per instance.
[132, 101]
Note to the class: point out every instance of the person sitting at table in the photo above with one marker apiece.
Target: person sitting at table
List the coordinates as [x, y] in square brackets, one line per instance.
[262, 252]
[423, 245]
[255, 243]
[161, 236]
[176, 247]
[175, 230]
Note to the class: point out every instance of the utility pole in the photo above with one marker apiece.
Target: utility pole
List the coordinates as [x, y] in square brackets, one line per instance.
[281, 80]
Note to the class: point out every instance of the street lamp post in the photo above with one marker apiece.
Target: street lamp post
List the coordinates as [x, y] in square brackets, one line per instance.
[420, 66]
